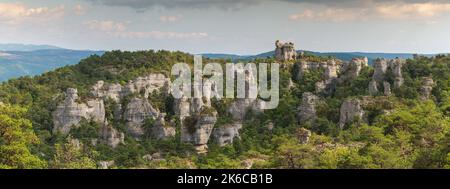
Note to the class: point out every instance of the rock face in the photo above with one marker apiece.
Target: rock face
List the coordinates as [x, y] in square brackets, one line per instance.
[225, 134]
[285, 51]
[307, 110]
[381, 68]
[387, 88]
[70, 112]
[331, 68]
[427, 87]
[162, 131]
[396, 67]
[146, 85]
[141, 85]
[350, 110]
[373, 88]
[197, 130]
[111, 136]
[197, 120]
[239, 108]
[351, 70]
[137, 111]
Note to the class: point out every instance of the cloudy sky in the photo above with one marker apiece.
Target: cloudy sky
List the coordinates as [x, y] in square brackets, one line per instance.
[230, 26]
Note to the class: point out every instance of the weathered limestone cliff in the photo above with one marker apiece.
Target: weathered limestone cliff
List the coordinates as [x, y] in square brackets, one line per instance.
[69, 113]
[111, 136]
[137, 112]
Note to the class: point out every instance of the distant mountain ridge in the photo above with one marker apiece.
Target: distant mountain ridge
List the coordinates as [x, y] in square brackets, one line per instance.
[19, 60]
[346, 56]
[26, 47]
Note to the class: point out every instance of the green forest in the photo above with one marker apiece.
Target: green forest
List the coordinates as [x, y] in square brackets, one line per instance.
[401, 130]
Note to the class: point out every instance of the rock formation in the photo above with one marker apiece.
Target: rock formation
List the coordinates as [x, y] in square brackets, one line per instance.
[197, 129]
[141, 85]
[146, 85]
[381, 68]
[70, 112]
[351, 70]
[111, 136]
[225, 134]
[427, 87]
[137, 112]
[307, 110]
[161, 131]
[303, 135]
[351, 109]
[285, 51]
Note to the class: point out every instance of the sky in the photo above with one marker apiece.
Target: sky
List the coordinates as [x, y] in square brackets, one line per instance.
[242, 27]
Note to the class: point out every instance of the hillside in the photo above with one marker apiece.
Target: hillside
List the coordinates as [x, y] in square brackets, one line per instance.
[34, 61]
[114, 111]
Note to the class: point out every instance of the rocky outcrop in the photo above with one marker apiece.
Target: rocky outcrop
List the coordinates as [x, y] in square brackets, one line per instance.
[427, 87]
[225, 134]
[111, 136]
[137, 112]
[307, 110]
[351, 70]
[69, 113]
[240, 107]
[197, 129]
[285, 51]
[303, 135]
[146, 85]
[373, 88]
[105, 164]
[351, 109]
[141, 85]
[330, 67]
[162, 131]
[381, 68]
[387, 88]
[396, 68]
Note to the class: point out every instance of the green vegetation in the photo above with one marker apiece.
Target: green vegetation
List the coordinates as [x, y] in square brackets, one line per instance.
[411, 133]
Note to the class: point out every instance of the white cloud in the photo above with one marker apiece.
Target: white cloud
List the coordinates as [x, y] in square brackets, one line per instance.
[119, 29]
[15, 13]
[329, 14]
[417, 10]
[170, 18]
[108, 26]
[388, 11]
